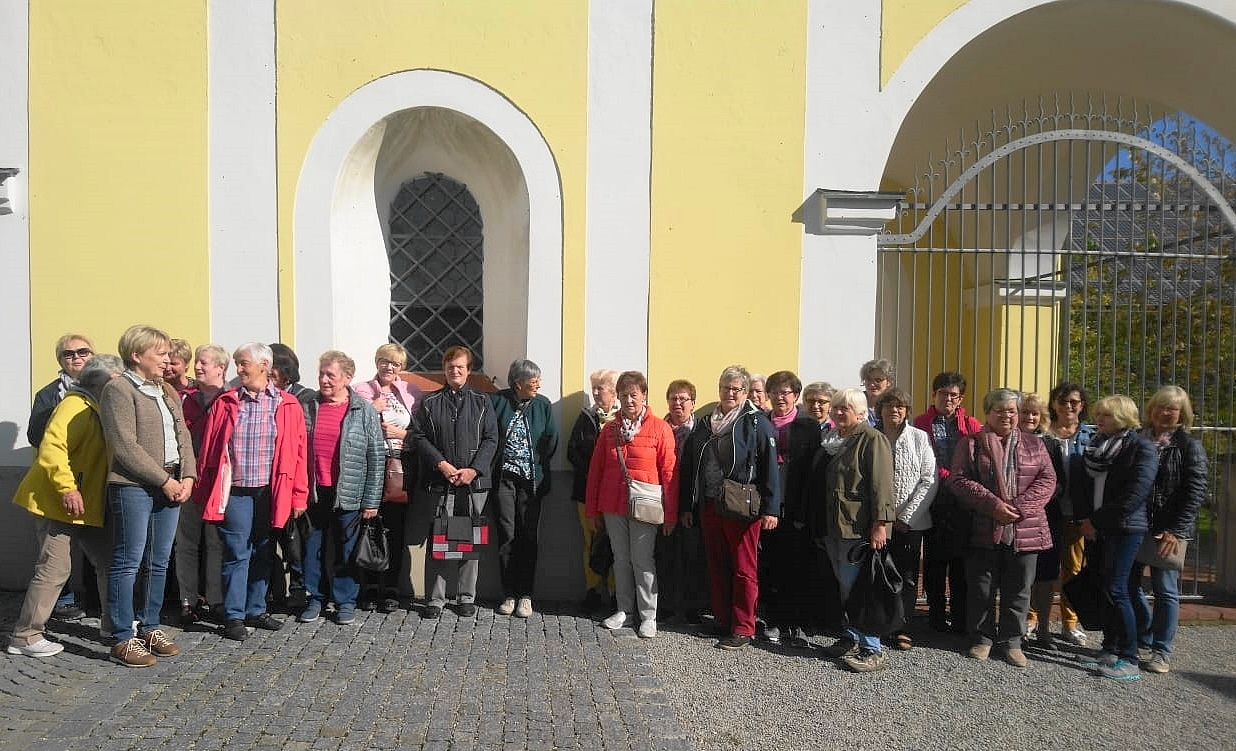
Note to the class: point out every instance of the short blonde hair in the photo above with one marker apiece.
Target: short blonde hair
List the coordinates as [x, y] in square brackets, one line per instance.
[855, 399]
[393, 352]
[346, 364]
[606, 377]
[1031, 400]
[1122, 409]
[1173, 396]
[137, 339]
[63, 343]
[179, 349]
[216, 353]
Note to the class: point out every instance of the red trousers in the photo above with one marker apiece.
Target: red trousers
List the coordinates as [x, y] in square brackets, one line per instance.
[731, 547]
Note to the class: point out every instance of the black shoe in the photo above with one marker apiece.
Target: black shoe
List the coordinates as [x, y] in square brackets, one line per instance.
[297, 600]
[843, 647]
[369, 604]
[734, 641]
[431, 612]
[69, 612]
[693, 617]
[466, 610]
[264, 621]
[236, 631]
[772, 634]
[216, 615]
[389, 605]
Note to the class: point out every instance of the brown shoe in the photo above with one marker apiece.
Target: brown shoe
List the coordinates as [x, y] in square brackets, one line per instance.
[157, 643]
[979, 651]
[1015, 657]
[132, 653]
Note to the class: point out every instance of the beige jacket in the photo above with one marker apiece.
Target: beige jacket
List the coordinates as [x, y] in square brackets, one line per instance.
[133, 427]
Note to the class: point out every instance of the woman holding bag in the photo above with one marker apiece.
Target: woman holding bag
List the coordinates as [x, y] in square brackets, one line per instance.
[1179, 489]
[640, 446]
[733, 447]
[396, 401]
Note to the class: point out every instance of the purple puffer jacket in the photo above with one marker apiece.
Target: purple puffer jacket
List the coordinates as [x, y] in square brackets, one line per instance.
[973, 482]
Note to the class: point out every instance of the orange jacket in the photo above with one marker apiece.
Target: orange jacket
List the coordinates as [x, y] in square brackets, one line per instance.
[651, 457]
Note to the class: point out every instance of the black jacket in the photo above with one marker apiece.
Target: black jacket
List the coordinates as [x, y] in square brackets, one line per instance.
[579, 451]
[1125, 492]
[803, 440]
[752, 436]
[45, 401]
[457, 427]
[1179, 486]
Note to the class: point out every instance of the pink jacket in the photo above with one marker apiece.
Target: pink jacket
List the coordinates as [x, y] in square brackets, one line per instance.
[651, 457]
[404, 391]
[974, 481]
[289, 476]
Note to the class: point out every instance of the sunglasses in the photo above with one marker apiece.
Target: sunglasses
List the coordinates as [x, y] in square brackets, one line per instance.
[68, 354]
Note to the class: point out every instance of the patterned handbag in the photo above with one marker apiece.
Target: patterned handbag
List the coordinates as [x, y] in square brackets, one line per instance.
[458, 538]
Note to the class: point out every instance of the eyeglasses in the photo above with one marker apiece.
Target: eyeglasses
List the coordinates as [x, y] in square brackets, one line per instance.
[786, 394]
[818, 402]
[389, 364]
[952, 396]
[68, 354]
[1074, 403]
[732, 389]
[873, 381]
[680, 399]
[1004, 411]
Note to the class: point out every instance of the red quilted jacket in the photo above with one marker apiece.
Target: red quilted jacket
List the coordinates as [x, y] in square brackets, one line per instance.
[650, 458]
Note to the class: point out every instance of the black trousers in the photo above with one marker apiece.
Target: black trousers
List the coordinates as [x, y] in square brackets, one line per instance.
[517, 520]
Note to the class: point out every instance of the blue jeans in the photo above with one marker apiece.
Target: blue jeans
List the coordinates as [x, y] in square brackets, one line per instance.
[1118, 551]
[245, 534]
[847, 573]
[1156, 631]
[328, 548]
[143, 525]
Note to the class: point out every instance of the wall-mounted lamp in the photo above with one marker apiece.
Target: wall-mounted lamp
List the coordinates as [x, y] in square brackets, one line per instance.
[6, 206]
[847, 212]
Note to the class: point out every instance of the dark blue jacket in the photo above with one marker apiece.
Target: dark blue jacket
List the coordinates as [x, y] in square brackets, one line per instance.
[1126, 491]
[1179, 486]
[747, 454]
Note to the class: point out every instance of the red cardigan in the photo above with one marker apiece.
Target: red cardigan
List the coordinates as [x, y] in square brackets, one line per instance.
[651, 457]
[289, 477]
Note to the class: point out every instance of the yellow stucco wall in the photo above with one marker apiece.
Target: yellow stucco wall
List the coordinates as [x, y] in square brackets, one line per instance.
[903, 24]
[118, 183]
[727, 172]
[533, 52]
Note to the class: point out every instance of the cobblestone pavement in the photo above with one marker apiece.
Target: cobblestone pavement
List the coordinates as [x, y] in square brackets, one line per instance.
[385, 682]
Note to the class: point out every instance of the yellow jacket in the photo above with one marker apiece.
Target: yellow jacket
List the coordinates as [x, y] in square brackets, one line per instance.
[72, 456]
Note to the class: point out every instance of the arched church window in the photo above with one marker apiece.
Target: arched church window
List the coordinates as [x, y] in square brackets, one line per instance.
[437, 262]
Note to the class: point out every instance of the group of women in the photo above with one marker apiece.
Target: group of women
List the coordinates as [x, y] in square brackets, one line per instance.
[768, 495]
[1012, 504]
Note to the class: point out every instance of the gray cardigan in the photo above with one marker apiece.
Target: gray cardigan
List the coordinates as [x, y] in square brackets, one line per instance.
[362, 454]
[133, 427]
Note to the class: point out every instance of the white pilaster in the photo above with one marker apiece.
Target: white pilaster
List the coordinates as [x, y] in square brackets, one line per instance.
[244, 247]
[15, 231]
[838, 309]
[619, 171]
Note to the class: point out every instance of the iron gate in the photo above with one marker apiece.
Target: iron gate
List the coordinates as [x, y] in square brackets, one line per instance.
[1091, 242]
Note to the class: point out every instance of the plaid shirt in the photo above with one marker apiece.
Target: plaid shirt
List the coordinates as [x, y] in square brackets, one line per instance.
[253, 441]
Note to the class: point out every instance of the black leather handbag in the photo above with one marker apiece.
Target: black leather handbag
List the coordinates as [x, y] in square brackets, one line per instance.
[372, 551]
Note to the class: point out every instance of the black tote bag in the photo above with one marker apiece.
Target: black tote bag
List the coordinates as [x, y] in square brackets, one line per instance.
[874, 605]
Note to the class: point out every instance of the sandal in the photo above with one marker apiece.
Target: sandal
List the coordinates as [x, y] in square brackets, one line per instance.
[903, 641]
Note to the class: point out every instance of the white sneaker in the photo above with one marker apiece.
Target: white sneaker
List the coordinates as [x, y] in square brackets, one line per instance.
[615, 621]
[40, 648]
[507, 607]
[1075, 636]
[524, 608]
[648, 629]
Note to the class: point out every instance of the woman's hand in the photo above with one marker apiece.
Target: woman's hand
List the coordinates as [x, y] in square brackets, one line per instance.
[369, 513]
[687, 519]
[171, 489]
[1169, 544]
[393, 431]
[596, 523]
[379, 404]
[463, 476]
[1087, 529]
[1005, 514]
[668, 527]
[186, 490]
[73, 503]
[769, 522]
[879, 536]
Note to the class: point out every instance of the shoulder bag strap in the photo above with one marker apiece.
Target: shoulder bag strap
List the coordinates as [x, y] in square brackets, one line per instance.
[622, 459]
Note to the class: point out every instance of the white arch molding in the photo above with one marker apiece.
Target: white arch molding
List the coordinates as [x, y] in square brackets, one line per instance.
[342, 288]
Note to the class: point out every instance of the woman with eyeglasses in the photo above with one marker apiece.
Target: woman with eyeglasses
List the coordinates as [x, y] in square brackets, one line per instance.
[396, 401]
[1004, 476]
[877, 376]
[73, 351]
[817, 403]
[944, 545]
[736, 442]
[1067, 438]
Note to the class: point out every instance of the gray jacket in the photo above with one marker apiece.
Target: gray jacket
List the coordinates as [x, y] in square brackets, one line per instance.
[362, 454]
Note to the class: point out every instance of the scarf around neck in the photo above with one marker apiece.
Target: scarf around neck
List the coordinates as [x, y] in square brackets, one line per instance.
[628, 428]
[720, 422]
[1103, 450]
